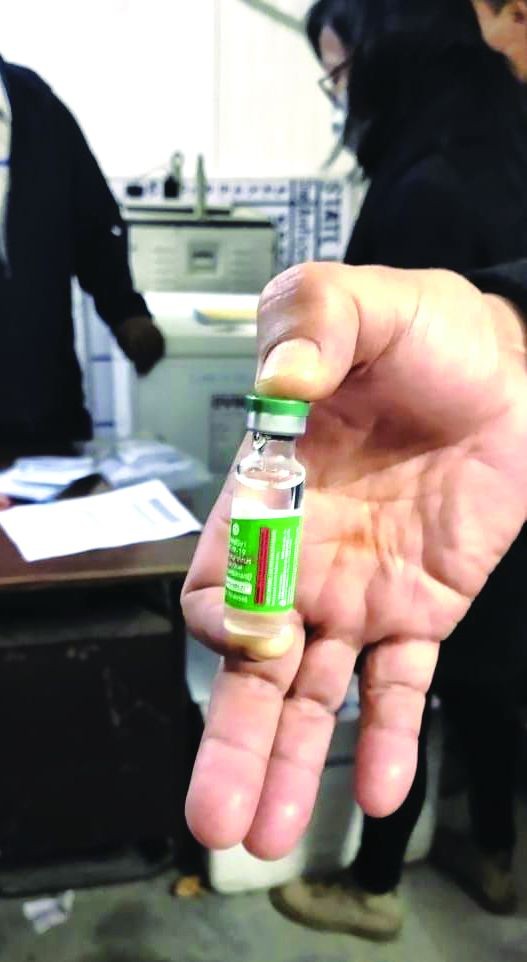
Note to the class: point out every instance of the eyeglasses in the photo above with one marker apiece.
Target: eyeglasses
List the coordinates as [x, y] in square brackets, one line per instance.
[329, 81]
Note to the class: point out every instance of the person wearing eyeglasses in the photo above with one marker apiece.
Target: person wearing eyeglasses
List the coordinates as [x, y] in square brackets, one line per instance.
[503, 24]
[438, 124]
[328, 30]
[331, 41]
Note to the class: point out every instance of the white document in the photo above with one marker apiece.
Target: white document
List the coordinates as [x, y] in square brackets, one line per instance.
[142, 512]
[140, 460]
[43, 478]
[12, 485]
[44, 914]
[53, 470]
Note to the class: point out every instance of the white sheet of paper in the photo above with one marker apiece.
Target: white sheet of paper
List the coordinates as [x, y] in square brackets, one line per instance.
[14, 487]
[52, 470]
[142, 512]
[46, 913]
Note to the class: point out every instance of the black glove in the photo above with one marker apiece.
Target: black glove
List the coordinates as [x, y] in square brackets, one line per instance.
[142, 342]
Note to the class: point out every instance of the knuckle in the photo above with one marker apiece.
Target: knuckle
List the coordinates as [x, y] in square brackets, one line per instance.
[295, 287]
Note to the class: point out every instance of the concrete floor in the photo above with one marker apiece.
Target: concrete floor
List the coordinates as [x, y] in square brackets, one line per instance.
[144, 923]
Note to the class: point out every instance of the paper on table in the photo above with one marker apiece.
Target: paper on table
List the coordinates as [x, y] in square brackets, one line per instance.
[142, 512]
[14, 487]
[43, 478]
[136, 460]
[47, 469]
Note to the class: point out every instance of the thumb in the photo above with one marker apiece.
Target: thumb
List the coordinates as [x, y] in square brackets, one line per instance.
[294, 368]
[318, 321]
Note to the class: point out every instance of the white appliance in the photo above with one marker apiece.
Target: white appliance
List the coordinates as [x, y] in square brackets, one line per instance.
[223, 250]
[194, 397]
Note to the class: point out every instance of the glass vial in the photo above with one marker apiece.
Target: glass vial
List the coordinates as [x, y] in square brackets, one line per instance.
[265, 532]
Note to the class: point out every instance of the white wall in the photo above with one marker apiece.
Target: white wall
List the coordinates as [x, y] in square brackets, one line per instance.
[272, 117]
[147, 77]
[127, 68]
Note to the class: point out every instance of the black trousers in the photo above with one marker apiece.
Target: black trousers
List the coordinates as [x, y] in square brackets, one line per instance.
[487, 731]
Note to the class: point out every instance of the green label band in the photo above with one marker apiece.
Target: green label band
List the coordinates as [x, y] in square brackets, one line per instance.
[263, 563]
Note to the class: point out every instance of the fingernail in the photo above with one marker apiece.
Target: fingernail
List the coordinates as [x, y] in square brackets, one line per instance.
[299, 357]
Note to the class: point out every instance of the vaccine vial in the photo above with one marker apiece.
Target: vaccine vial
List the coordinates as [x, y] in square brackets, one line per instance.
[265, 530]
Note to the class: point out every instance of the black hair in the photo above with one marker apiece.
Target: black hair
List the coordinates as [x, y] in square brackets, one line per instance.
[329, 13]
[366, 22]
[400, 50]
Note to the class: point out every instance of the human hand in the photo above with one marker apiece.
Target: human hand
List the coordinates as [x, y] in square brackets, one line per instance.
[142, 342]
[416, 457]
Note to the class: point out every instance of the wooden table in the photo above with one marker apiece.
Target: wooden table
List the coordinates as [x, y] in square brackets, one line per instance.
[155, 559]
[152, 560]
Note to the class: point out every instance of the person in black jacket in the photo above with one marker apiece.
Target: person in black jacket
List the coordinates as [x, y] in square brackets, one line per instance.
[58, 220]
[440, 129]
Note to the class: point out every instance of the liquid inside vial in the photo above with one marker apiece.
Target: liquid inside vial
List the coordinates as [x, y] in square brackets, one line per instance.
[265, 536]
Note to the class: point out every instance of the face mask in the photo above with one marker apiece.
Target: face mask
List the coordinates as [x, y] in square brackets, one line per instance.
[340, 112]
[341, 101]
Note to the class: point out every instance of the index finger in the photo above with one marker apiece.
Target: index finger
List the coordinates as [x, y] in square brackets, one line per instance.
[266, 739]
[231, 764]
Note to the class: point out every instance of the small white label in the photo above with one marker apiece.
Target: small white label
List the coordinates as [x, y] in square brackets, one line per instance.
[240, 587]
[253, 508]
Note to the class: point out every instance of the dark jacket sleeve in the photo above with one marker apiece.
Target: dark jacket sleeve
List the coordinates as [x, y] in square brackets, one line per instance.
[424, 222]
[100, 239]
[507, 280]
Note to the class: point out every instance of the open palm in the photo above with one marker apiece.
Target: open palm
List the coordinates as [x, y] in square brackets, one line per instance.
[416, 458]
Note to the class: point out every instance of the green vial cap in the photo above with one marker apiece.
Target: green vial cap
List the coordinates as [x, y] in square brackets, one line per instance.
[277, 406]
[275, 415]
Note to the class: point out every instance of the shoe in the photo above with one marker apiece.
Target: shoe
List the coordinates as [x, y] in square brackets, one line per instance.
[487, 878]
[337, 905]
